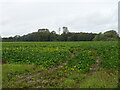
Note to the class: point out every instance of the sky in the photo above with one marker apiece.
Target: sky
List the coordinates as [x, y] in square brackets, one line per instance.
[20, 17]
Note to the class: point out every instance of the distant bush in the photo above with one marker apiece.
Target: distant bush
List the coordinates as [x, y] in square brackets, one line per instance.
[107, 36]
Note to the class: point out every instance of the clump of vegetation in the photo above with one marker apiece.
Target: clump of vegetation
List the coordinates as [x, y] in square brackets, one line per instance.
[107, 36]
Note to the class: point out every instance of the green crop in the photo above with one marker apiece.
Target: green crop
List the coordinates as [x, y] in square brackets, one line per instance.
[82, 61]
[51, 54]
[60, 64]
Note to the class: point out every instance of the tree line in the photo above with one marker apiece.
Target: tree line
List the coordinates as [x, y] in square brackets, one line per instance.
[46, 35]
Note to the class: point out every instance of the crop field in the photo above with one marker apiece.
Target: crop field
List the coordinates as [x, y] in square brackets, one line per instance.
[60, 64]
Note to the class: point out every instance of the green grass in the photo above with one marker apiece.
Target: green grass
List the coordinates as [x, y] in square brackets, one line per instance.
[48, 78]
[57, 78]
[101, 79]
[10, 71]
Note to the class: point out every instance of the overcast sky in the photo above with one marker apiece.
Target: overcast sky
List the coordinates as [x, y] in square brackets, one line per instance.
[20, 17]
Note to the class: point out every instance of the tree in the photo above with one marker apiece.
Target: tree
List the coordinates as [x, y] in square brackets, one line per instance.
[43, 30]
[53, 36]
[98, 37]
[46, 35]
[107, 36]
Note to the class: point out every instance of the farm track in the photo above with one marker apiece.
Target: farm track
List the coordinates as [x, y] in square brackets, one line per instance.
[31, 78]
[94, 69]
[28, 79]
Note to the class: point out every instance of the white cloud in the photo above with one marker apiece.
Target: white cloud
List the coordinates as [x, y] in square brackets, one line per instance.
[22, 17]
